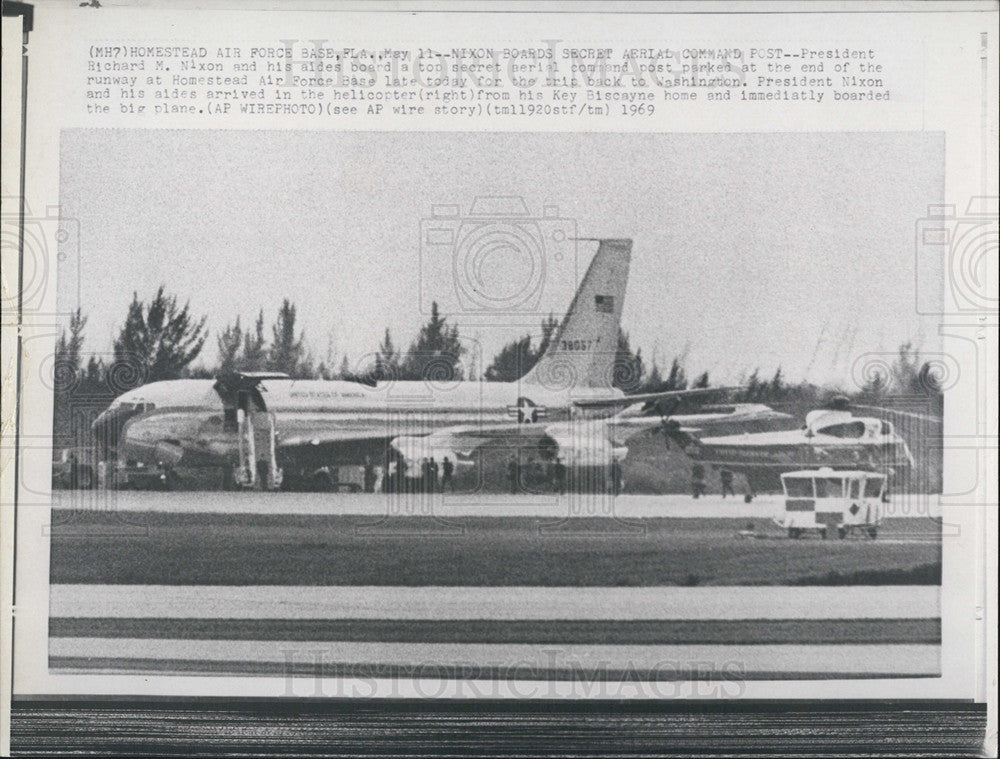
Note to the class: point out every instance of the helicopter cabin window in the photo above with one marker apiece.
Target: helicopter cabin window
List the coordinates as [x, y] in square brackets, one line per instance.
[846, 430]
[855, 488]
[799, 487]
[873, 487]
[886, 428]
[128, 409]
[829, 487]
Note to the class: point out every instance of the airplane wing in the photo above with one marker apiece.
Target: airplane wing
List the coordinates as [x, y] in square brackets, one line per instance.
[578, 441]
[413, 440]
[335, 436]
[417, 439]
[630, 400]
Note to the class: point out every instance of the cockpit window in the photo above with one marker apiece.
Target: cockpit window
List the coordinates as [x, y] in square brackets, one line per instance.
[846, 430]
[109, 425]
[886, 428]
[134, 408]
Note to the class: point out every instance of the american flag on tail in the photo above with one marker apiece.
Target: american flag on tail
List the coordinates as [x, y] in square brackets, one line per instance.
[604, 304]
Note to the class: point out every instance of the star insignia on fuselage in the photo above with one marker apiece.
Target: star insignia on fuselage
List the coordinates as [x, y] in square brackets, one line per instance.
[526, 411]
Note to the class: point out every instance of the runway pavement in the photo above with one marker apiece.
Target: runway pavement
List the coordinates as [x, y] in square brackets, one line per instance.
[556, 633]
[495, 603]
[280, 584]
[625, 506]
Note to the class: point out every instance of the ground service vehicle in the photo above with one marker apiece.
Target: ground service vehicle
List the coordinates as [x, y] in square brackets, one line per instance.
[822, 500]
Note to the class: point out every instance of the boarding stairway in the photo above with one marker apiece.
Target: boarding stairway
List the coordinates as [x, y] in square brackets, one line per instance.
[246, 413]
[248, 472]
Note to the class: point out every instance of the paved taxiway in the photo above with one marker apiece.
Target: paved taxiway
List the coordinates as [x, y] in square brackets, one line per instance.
[625, 506]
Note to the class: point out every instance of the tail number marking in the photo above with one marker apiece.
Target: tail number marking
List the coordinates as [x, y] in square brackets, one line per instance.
[578, 345]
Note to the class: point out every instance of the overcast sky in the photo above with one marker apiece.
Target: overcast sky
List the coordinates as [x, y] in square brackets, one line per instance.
[753, 250]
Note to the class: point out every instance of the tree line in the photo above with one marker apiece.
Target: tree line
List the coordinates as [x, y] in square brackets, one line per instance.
[162, 339]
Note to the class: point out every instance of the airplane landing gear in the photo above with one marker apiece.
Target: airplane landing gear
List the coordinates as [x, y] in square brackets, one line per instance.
[170, 479]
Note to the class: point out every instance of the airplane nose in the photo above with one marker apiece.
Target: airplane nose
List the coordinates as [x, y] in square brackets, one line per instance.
[107, 427]
[104, 431]
[99, 421]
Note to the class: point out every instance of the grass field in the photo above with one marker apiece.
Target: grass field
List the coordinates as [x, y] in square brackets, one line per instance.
[241, 549]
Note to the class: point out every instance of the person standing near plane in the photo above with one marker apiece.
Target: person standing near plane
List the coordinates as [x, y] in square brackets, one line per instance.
[559, 475]
[396, 481]
[369, 477]
[726, 478]
[434, 485]
[425, 475]
[697, 481]
[447, 472]
[512, 474]
[616, 477]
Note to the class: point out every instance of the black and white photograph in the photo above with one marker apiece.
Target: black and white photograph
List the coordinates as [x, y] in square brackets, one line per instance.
[566, 406]
[460, 378]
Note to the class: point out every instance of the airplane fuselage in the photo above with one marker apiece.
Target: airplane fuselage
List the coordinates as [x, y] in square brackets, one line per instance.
[186, 422]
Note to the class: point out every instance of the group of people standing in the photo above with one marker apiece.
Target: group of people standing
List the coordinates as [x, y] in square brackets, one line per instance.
[533, 473]
[434, 477]
[698, 481]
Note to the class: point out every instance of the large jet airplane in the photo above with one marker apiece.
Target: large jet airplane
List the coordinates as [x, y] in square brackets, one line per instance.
[266, 428]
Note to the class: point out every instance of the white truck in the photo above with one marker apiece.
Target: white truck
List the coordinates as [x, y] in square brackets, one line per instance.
[823, 500]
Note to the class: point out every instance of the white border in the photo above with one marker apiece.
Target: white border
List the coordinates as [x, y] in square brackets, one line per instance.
[948, 35]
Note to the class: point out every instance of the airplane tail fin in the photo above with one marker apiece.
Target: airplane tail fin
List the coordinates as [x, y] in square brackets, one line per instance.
[582, 350]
